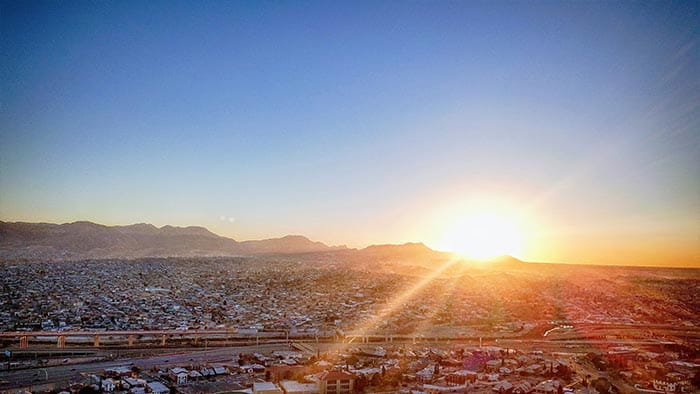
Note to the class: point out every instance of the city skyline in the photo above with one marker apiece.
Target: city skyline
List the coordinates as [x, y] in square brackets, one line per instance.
[364, 124]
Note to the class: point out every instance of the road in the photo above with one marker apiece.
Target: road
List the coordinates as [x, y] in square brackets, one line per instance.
[64, 373]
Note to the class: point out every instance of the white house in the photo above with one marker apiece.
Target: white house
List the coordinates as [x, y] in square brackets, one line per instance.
[220, 371]
[266, 388]
[157, 388]
[294, 387]
[108, 385]
[179, 375]
[195, 375]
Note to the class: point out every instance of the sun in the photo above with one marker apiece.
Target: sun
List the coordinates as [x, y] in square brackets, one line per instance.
[484, 235]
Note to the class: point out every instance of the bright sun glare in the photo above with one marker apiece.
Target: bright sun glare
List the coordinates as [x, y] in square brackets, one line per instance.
[484, 235]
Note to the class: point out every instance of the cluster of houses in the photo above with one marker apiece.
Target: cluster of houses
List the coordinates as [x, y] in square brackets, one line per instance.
[123, 380]
[414, 370]
[661, 371]
[488, 370]
[176, 294]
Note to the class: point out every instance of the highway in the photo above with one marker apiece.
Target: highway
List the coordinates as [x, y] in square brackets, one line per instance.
[64, 373]
[234, 337]
[184, 357]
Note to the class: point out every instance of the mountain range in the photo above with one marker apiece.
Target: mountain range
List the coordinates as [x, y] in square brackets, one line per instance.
[87, 240]
[82, 240]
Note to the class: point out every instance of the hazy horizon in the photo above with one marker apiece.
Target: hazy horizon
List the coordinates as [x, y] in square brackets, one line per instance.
[399, 243]
[568, 130]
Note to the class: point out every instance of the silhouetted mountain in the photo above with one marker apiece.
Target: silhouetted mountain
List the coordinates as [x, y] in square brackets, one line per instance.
[85, 240]
[410, 249]
[412, 254]
[505, 262]
[287, 244]
[414, 258]
[90, 240]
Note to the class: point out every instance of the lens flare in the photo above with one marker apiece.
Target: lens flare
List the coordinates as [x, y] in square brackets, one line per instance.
[484, 235]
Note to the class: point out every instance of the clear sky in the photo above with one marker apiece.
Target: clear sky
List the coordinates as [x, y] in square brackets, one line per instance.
[360, 122]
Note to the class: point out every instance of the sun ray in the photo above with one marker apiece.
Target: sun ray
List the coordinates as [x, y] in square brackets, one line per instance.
[395, 303]
[452, 281]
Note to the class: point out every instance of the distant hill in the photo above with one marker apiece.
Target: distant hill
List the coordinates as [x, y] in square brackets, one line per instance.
[417, 258]
[80, 240]
[411, 250]
[87, 240]
[287, 244]
[503, 262]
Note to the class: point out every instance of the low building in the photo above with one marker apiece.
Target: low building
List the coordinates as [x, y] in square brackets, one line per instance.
[436, 389]
[294, 387]
[522, 388]
[118, 371]
[461, 377]
[547, 387]
[502, 387]
[336, 382]
[193, 375]
[157, 388]
[220, 371]
[266, 388]
[207, 372]
[134, 382]
[108, 385]
[178, 375]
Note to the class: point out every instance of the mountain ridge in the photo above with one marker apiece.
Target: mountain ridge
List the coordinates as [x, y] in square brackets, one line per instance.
[84, 239]
[87, 240]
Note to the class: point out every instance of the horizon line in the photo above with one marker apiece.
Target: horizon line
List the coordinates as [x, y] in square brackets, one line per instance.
[345, 247]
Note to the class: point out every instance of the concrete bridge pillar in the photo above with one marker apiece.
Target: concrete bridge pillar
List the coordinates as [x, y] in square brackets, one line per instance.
[96, 341]
[61, 342]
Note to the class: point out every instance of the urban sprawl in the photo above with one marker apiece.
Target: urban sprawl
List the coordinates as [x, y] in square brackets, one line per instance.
[317, 325]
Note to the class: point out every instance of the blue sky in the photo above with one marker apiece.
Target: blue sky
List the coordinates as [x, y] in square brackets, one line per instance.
[359, 122]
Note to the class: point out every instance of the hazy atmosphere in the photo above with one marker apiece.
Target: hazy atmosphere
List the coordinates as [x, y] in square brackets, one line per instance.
[570, 129]
[349, 197]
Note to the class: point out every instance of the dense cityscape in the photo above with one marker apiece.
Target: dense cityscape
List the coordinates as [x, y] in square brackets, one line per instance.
[312, 318]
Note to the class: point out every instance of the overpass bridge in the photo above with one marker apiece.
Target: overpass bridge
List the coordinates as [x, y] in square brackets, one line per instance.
[231, 336]
[134, 338]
